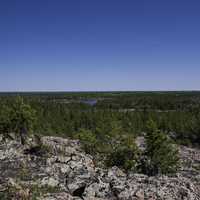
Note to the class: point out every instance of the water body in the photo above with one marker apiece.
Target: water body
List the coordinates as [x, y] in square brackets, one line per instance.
[90, 102]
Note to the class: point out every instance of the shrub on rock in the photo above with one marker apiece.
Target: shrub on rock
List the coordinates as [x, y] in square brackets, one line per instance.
[124, 154]
[161, 154]
[88, 140]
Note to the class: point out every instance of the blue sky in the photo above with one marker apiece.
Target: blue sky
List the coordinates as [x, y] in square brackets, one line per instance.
[82, 45]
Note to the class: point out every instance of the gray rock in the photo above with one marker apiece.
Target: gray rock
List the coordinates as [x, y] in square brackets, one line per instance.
[74, 175]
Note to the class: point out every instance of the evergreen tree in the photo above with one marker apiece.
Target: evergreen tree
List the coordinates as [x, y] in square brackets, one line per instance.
[162, 155]
[5, 120]
[22, 118]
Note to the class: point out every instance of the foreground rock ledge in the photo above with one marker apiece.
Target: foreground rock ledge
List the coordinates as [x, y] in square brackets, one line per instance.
[68, 173]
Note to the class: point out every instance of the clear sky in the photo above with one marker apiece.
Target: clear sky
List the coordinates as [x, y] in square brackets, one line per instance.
[82, 45]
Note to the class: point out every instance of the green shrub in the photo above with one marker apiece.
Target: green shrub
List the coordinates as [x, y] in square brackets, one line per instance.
[161, 154]
[88, 140]
[18, 118]
[124, 154]
[28, 192]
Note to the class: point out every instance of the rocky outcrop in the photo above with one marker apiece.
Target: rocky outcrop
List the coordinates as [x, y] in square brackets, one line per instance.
[58, 169]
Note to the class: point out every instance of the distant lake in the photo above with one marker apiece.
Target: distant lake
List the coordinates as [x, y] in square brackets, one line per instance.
[90, 102]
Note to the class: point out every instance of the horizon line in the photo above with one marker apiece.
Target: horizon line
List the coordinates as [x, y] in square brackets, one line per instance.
[74, 91]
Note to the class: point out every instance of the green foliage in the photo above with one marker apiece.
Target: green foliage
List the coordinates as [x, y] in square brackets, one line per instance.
[38, 191]
[115, 148]
[5, 119]
[22, 116]
[28, 192]
[17, 117]
[88, 140]
[124, 154]
[162, 155]
[63, 114]
[102, 127]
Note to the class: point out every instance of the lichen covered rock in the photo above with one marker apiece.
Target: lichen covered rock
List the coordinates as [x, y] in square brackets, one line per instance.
[58, 169]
